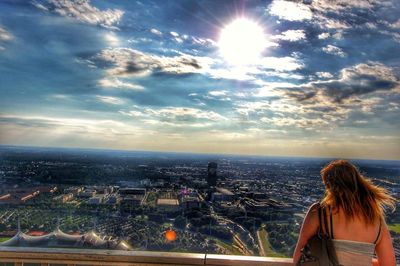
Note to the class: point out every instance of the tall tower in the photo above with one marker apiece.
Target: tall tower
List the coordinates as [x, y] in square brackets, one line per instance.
[212, 174]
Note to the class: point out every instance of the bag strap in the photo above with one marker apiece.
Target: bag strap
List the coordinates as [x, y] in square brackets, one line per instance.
[320, 230]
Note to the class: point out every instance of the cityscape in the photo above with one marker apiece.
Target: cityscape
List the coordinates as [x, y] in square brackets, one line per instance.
[194, 132]
[237, 205]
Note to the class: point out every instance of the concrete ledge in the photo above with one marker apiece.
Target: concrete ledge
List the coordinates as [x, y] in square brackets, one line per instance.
[69, 256]
[215, 260]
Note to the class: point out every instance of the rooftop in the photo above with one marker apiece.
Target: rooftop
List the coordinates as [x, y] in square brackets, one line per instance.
[173, 202]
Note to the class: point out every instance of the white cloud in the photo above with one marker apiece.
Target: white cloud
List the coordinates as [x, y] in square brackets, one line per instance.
[156, 32]
[325, 75]
[235, 73]
[176, 116]
[56, 127]
[286, 63]
[111, 39]
[5, 35]
[185, 114]
[176, 37]
[268, 89]
[373, 69]
[329, 23]
[218, 93]
[292, 11]
[338, 35]
[300, 122]
[324, 35]
[204, 42]
[291, 35]
[83, 11]
[334, 50]
[396, 24]
[110, 100]
[117, 83]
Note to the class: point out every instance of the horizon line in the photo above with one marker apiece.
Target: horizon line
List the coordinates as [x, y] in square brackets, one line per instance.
[195, 153]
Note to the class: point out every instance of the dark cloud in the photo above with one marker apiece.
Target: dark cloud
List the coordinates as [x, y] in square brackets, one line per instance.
[130, 62]
[354, 81]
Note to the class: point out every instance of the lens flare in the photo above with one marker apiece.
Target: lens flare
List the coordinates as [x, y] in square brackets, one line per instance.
[170, 235]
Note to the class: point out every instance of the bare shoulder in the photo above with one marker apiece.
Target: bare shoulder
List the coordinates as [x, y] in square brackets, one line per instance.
[313, 210]
[314, 206]
[312, 213]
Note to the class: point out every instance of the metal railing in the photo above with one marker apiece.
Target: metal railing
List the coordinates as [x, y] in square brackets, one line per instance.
[70, 257]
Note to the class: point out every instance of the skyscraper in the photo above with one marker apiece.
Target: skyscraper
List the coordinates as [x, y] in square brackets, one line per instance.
[212, 174]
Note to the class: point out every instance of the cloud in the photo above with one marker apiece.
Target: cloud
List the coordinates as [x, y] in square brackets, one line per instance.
[184, 114]
[111, 39]
[291, 35]
[129, 62]
[341, 5]
[334, 50]
[354, 81]
[329, 23]
[324, 75]
[203, 42]
[396, 24]
[286, 63]
[291, 11]
[218, 93]
[117, 83]
[156, 32]
[110, 100]
[299, 122]
[5, 35]
[324, 35]
[176, 116]
[83, 11]
[60, 126]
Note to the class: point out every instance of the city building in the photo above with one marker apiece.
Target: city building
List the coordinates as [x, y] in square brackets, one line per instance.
[212, 174]
[96, 199]
[64, 197]
[222, 194]
[168, 205]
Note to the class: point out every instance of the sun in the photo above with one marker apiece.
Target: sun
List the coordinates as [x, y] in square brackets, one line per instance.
[242, 42]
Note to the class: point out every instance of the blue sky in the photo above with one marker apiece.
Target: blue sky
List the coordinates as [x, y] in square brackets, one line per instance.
[322, 79]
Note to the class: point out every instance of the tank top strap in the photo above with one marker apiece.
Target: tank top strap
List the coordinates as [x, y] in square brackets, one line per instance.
[379, 232]
[331, 221]
[325, 222]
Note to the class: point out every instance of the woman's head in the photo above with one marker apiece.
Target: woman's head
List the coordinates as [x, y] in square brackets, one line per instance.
[348, 190]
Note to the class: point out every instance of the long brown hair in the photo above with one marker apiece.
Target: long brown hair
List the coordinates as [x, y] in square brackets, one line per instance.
[350, 191]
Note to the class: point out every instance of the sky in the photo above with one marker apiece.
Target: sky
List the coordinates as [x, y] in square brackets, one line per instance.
[316, 78]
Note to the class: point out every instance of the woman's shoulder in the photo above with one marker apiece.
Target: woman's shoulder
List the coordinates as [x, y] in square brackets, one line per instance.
[312, 212]
[315, 207]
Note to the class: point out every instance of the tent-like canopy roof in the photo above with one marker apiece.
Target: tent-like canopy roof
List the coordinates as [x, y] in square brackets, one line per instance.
[59, 239]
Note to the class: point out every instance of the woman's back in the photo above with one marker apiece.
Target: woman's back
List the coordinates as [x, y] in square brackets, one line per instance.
[355, 229]
[354, 240]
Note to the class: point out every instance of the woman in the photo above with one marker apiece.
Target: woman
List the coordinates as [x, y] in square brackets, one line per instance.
[354, 213]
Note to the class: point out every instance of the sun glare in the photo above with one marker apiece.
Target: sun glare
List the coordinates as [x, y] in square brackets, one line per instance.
[242, 42]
